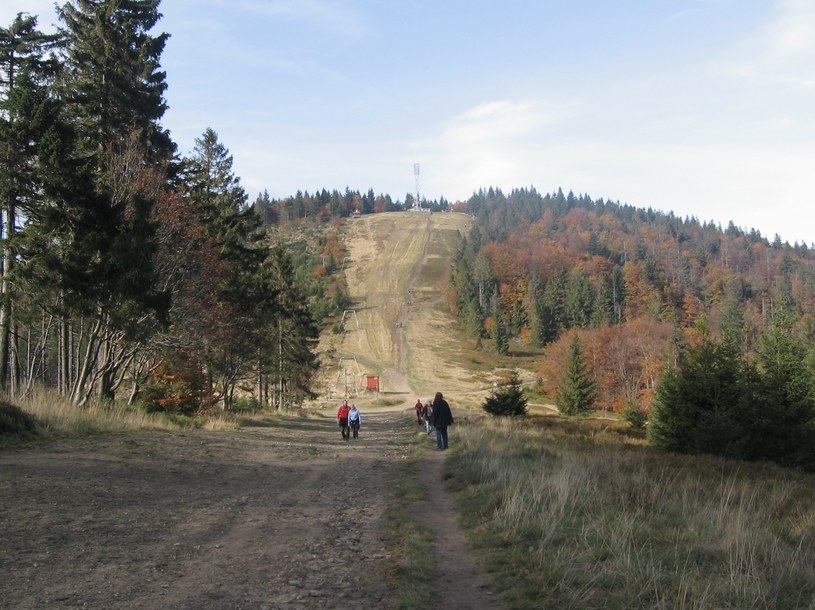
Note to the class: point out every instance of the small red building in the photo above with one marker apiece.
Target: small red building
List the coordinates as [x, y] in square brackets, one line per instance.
[372, 383]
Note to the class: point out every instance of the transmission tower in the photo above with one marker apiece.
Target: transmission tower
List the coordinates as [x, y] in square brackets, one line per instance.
[416, 204]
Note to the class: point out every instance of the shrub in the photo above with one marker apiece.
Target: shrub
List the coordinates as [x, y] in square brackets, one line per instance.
[15, 422]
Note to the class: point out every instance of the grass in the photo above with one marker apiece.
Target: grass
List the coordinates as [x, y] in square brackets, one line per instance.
[409, 541]
[50, 415]
[581, 515]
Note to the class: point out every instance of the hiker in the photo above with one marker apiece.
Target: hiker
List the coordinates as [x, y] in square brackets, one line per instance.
[427, 411]
[342, 419]
[354, 420]
[441, 417]
[419, 406]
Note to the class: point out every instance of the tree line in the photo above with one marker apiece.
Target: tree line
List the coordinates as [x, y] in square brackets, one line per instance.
[129, 271]
[664, 315]
[323, 205]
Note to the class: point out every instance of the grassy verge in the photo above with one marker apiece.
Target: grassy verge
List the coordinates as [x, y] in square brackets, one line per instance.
[576, 514]
[409, 542]
[46, 414]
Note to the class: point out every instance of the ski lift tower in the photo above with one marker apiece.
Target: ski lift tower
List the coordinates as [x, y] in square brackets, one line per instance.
[417, 207]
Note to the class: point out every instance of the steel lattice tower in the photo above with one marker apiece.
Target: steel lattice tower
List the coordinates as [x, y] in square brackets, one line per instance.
[416, 204]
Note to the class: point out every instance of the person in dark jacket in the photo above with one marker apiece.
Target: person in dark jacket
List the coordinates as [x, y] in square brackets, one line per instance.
[441, 417]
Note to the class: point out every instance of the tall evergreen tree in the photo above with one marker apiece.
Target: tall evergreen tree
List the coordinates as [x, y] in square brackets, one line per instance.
[577, 390]
[294, 334]
[703, 405]
[113, 93]
[245, 292]
[113, 81]
[579, 299]
[552, 312]
[28, 116]
[784, 417]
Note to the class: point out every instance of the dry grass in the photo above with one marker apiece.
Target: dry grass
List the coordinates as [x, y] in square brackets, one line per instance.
[576, 515]
[57, 416]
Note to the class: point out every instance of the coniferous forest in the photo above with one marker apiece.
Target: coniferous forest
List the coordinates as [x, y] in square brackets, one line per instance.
[133, 272]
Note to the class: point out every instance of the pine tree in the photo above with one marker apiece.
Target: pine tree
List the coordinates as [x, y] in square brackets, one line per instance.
[507, 399]
[294, 334]
[577, 390]
[247, 292]
[579, 299]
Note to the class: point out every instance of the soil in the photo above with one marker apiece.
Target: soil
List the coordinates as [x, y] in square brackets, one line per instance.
[285, 515]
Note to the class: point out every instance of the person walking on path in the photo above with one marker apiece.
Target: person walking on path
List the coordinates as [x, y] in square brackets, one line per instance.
[441, 417]
[354, 420]
[342, 420]
[418, 406]
[426, 414]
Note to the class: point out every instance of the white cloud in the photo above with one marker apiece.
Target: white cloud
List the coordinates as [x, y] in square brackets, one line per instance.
[791, 35]
[780, 53]
[488, 145]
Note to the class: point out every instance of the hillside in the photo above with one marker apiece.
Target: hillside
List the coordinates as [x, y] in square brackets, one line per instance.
[399, 325]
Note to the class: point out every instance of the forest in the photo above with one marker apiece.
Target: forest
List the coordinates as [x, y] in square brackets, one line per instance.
[705, 334]
[129, 272]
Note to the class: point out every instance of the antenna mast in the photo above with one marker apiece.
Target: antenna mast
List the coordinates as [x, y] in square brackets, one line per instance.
[416, 204]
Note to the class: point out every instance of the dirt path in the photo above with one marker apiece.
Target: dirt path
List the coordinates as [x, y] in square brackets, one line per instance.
[463, 584]
[284, 517]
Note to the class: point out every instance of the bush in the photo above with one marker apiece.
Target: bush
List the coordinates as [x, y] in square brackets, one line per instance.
[16, 422]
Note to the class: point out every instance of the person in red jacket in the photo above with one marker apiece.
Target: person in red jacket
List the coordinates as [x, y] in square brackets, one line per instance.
[342, 420]
[419, 408]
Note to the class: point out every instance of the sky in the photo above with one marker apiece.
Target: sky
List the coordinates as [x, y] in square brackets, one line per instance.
[703, 108]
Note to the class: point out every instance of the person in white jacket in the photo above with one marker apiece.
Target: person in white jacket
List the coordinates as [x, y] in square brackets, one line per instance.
[354, 420]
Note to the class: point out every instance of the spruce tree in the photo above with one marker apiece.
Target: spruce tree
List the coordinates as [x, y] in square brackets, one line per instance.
[577, 391]
[784, 417]
[507, 399]
[102, 222]
[703, 405]
[28, 116]
[113, 79]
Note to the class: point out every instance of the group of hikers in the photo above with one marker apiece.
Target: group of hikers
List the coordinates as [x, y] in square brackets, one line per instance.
[435, 414]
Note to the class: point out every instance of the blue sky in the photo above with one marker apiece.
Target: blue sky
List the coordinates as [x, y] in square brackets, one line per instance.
[701, 107]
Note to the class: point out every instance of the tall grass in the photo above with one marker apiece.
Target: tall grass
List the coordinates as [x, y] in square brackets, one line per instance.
[57, 416]
[573, 517]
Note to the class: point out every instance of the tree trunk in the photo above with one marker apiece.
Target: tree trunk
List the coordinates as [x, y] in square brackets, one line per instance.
[5, 295]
